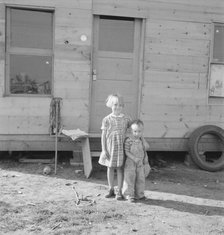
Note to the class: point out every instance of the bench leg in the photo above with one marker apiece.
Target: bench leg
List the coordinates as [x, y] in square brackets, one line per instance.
[87, 159]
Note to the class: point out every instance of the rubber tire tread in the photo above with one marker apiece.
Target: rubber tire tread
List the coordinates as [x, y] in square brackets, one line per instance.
[193, 146]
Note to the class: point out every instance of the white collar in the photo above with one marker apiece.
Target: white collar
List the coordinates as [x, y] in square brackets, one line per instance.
[113, 115]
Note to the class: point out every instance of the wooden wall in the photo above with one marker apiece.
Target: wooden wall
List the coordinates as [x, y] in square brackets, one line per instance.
[71, 75]
[178, 35]
[174, 97]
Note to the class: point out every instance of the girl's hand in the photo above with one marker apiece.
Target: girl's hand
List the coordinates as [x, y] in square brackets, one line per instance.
[146, 161]
[106, 154]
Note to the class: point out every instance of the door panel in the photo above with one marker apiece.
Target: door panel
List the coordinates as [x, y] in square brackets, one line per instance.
[115, 65]
[115, 69]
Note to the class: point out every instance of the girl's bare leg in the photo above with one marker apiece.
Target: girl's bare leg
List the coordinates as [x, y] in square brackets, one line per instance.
[110, 178]
[120, 177]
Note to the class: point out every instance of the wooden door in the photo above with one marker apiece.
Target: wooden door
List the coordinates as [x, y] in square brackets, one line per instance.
[116, 43]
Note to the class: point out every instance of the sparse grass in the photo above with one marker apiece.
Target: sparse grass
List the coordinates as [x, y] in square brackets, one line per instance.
[31, 203]
[59, 218]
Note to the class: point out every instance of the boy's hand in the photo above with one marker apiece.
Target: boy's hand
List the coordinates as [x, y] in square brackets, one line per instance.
[135, 160]
[145, 143]
[138, 162]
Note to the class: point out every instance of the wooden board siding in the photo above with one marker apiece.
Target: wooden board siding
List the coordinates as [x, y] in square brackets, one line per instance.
[178, 10]
[176, 77]
[178, 35]
[71, 72]
[174, 92]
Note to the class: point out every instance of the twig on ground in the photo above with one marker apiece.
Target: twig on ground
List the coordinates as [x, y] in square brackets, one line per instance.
[82, 198]
[31, 204]
[92, 202]
[76, 195]
[57, 225]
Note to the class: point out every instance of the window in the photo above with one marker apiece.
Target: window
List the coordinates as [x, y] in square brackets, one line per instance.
[218, 45]
[116, 34]
[29, 51]
[216, 86]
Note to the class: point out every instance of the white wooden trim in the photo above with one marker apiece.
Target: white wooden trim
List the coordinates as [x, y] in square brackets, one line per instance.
[31, 7]
[141, 64]
[134, 13]
[94, 64]
[7, 39]
[136, 60]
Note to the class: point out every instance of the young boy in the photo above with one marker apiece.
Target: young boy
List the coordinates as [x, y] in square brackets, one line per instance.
[136, 157]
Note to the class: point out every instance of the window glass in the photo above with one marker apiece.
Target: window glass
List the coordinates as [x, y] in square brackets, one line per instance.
[31, 29]
[29, 51]
[116, 34]
[218, 50]
[30, 74]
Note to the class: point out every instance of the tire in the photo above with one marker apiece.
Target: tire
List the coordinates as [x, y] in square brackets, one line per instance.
[200, 159]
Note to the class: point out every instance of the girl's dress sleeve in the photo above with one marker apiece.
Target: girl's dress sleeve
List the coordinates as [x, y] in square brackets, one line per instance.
[104, 125]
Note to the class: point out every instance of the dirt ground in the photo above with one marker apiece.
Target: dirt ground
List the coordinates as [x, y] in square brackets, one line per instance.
[180, 200]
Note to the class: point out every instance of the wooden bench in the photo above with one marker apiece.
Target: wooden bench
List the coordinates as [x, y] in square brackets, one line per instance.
[85, 147]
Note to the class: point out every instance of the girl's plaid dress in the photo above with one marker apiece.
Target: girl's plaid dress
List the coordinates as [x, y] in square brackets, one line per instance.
[115, 127]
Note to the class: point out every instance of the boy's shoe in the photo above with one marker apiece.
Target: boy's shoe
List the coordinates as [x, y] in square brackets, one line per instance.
[119, 196]
[142, 198]
[110, 194]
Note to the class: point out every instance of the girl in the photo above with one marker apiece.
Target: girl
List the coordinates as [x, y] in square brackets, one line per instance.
[114, 127]
[136, 163]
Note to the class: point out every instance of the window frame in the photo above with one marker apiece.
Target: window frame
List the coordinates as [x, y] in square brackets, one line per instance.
[10, 50]
[212, 61]
[213, 99]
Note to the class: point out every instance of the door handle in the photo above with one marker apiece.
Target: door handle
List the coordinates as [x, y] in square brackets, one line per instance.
[94, 74]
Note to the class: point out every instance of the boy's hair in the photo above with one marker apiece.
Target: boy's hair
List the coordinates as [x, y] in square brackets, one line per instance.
[138, 122]
[113, 98]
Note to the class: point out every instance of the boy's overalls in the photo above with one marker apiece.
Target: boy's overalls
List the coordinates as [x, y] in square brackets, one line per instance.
[134, 177]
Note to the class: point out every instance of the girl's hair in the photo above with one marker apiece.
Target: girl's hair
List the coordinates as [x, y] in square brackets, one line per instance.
[138, 122]
[111, 99]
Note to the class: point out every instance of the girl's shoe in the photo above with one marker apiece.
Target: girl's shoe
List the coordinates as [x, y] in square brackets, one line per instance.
[119, 196]
[110, 193]
[131, 199]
